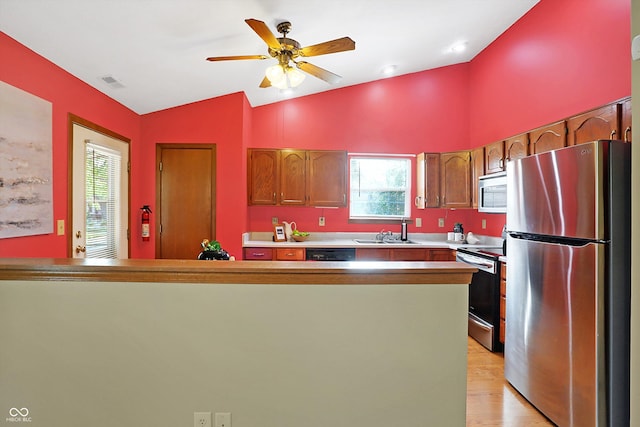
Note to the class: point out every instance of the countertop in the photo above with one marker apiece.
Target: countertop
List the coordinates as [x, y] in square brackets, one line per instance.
[347, 240]
[235, 272]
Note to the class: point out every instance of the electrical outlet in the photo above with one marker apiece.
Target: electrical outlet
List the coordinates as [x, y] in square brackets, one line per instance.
[418, 222]
[202, 419]
[484, 224]
[321, 221]
[440, 222]
[60, 225]
[274, 220]
[223, 419]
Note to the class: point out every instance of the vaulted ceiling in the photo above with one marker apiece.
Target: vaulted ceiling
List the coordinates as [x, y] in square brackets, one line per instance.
[150, 54]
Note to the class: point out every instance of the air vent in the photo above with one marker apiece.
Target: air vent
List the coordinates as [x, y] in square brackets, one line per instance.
[112, 82]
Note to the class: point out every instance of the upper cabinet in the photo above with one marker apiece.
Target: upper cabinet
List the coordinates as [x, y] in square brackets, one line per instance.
[327, 183]
[601, 123]
[548, 137]
[477, 170]
[427, 180]
[293, 177]
[625, 120]
[516, 147]
[263, 173]
[296, 177]
[494, 157]
[455, 179]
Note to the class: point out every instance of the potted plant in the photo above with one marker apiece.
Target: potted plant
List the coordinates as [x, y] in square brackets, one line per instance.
[212, 251]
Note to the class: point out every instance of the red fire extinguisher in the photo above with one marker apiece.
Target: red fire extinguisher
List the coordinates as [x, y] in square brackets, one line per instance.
[146, 210]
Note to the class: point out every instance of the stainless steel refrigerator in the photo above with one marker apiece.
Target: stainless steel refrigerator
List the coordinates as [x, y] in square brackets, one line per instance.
[568, 282]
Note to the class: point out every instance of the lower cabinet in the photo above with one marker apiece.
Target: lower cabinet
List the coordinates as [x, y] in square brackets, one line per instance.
[264, 254]
[277, 254]
[404, 254]
[503, 300]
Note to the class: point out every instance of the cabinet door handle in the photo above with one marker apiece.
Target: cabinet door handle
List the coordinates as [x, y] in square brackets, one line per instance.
[613, 133]
[501, 163]
[627, 131]
[274, 197]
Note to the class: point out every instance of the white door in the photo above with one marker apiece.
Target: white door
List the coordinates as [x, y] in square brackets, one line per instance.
[100, 195]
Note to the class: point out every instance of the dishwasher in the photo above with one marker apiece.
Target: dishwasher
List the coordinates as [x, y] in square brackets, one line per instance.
[330, 254]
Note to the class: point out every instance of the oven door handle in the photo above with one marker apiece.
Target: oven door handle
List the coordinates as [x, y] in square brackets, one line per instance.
[486, 266]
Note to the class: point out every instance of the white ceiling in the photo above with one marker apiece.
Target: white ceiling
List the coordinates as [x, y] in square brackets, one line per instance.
[157, 48]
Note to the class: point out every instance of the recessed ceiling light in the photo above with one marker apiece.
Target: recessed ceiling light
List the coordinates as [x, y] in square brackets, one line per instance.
[389, 70]
[459, 47]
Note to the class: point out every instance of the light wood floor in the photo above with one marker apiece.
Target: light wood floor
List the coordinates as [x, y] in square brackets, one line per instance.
[491, 401]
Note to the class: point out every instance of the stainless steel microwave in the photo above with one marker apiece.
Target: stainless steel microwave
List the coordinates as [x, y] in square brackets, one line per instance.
[492, 193]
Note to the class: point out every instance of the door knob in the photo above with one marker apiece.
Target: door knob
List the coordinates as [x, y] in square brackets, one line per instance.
[80, 249]
[78, 234]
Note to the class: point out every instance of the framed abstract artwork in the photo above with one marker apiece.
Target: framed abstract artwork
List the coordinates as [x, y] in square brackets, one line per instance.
[26, 165]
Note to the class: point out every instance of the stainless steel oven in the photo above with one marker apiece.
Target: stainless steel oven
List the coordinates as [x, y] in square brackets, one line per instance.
[484, 295]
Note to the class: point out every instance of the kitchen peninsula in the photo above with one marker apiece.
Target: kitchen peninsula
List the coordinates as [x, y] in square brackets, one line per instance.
[274, 343]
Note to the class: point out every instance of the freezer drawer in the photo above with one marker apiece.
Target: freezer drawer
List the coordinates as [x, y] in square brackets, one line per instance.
[554, 346]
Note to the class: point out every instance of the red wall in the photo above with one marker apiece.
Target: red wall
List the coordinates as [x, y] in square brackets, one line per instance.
[217, 121]
[425, 111]
[561, 58]
[30, 72]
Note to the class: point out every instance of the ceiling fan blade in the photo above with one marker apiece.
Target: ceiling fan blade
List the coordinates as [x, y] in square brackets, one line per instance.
[333, 46]
[318, 72]
[264, 32]
[231, 58]
[265, 82]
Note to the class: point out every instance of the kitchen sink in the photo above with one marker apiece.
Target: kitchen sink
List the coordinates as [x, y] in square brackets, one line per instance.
[389, 242]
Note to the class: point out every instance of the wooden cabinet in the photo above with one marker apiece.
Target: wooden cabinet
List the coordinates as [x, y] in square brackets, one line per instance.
[494, 157]
[625, 119]
[477, 170]
[548, 137]
[601, 123]
[290, 254]
[503, 300]
[455, 179]
[427, 180]
[441, 254]
[404, 254]
[296, 177]
[264, 254]
[293, 177]
[516, 147]
[327, 183]
[262, 176]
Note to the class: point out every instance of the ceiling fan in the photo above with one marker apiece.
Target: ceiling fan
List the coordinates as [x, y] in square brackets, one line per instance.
[286, 50]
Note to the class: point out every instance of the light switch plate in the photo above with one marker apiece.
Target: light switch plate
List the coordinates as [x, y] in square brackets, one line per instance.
[223, 419]
[60, 227]
[440, 222]
[418, 222]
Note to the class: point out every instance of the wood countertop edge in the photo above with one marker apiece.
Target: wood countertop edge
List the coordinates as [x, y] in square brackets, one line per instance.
[235, 272]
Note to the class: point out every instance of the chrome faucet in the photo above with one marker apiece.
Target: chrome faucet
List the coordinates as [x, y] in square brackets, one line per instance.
[384, 235]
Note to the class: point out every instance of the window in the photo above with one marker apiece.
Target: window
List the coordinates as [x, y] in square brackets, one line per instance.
[380, 187]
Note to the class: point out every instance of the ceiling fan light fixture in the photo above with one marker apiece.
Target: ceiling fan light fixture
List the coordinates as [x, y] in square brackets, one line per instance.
[284, 77]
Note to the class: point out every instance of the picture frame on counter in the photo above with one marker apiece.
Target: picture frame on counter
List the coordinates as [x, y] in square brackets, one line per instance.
[278, 233]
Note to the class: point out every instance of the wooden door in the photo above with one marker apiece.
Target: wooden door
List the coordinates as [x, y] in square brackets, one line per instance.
[625, 120]
[601, 123]
[186, 199]
[477, 170]
[455, 179]
[293, 177]
[327, 183]
[549, 137]
[494, 157]
[516, 147]
[262, 176]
